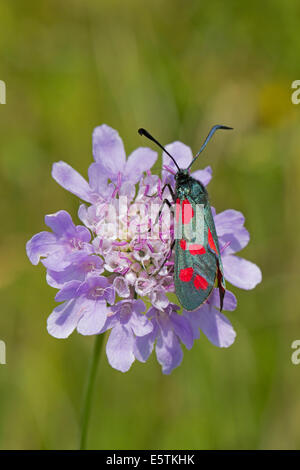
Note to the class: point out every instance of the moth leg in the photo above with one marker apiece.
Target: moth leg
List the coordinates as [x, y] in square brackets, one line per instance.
[165, 201]
[165, 260]
[167, 185]
[220, 286]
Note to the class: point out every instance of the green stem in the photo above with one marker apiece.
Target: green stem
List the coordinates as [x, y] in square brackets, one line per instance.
[89, 390]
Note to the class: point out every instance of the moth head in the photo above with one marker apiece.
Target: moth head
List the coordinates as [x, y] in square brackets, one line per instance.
[182, 176]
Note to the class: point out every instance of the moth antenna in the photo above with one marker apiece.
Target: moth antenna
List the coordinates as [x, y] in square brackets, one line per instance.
[142, 131]
[210, 134]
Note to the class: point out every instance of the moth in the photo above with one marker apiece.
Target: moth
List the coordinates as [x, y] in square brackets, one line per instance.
[198, 265]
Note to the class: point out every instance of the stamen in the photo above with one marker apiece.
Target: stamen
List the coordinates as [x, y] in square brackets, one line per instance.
[140, 245]
[159, 189]
[125, 271]
[127, 259]
[161, 237]
[150, 247]
[225, 246]
[115, 192]
[118, 270]
[76, 244]
[118, 185]
[169, 169]
[100, 291]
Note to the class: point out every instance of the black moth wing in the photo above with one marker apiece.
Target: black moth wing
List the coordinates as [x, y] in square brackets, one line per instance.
[198, 266]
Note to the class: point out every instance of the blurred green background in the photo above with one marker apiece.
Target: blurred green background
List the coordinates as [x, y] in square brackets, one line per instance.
[176, 68]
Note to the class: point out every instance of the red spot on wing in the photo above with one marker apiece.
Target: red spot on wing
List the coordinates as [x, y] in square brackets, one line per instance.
[182, 244]
[200, 282]
[187, 211]
[185, 275]
[197, 249]
[211, 242]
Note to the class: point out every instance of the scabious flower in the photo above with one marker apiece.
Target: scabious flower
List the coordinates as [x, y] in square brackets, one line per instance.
[102, 267]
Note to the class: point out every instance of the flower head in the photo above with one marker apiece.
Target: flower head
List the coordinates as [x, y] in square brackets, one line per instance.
[102, 267]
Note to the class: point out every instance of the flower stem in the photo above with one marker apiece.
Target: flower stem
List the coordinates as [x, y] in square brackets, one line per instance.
[89, 390]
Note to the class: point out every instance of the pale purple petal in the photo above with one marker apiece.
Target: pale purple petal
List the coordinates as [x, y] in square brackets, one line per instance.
[41, 244]
[168, 351]
[230, 230]
[99, 181]
[138, 306]
[63, 320]
[124, 311]
[69, 291]
[110, 295]
[99, 287]
[129, 313]
[193, 321]
[108, 150]
[159, 299]
[91, 216]
[111, 321]
[183, 329]
[233, 242]
[215, 326]
[204, 176]
[58, 261]
[81, 264]
[144, 285]
[128, 190]
[121, 286]
[94, 317]
[140, 324]
[72, 181]
[82, 233]
[181, 153]
[61, 224]
[228, 221]
[140, 160]
[119, 348]
[229, 301]
[143, 346]
[240, 272]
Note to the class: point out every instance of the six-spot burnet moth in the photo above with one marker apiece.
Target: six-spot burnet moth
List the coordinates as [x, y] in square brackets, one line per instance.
[198, 265]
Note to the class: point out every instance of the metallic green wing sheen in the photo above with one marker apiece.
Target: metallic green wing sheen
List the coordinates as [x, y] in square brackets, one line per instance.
[205, 265]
